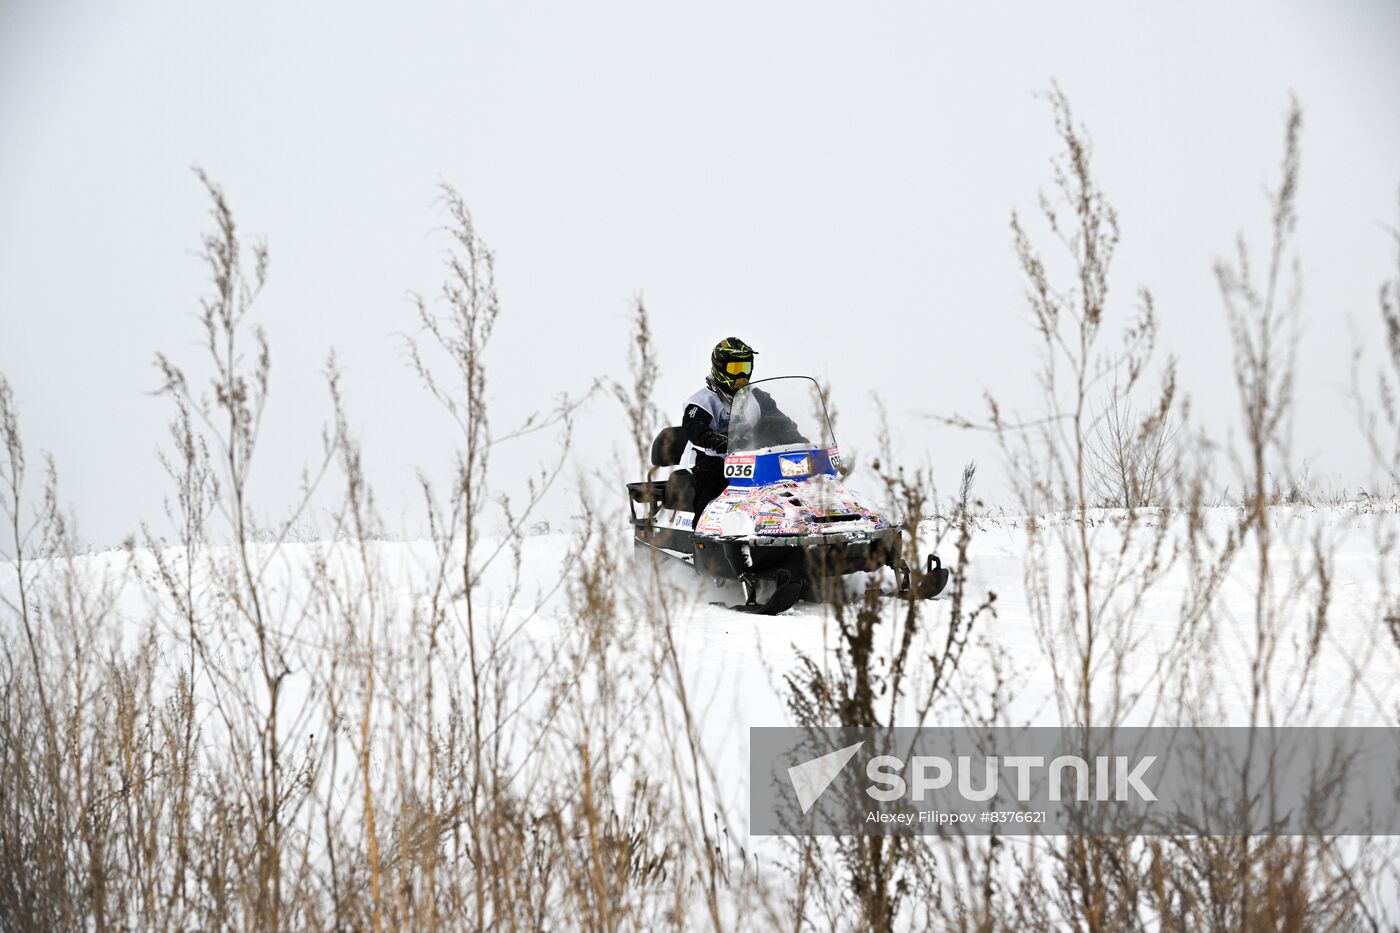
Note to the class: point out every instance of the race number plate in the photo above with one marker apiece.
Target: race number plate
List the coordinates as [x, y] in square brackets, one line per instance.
[738, 467]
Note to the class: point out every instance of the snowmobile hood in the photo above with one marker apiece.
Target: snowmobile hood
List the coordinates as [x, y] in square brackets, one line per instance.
[817, 505]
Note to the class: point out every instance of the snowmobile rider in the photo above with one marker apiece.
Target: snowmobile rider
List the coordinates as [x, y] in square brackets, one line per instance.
[706, 421]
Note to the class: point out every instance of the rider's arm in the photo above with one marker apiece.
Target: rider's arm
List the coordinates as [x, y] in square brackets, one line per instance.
[782, 425]
[698, 427]
[767, 407]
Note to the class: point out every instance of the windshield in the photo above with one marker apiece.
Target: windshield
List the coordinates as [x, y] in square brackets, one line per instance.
[784, 412]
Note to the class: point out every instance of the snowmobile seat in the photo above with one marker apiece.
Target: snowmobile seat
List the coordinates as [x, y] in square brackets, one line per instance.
[668, 447]
[666, 451]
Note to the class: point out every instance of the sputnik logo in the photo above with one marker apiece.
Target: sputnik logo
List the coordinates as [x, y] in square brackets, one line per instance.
[813, 777]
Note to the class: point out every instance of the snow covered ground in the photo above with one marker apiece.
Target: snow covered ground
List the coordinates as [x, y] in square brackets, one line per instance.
[732, 664]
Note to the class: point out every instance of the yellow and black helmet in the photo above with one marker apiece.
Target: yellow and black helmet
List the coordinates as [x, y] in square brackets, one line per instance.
[732, 361]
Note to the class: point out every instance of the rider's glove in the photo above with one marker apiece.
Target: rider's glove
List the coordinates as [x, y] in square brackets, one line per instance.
[718, 443]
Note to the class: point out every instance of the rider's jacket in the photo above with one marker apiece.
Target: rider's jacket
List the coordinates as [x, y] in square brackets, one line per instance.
[705, 425]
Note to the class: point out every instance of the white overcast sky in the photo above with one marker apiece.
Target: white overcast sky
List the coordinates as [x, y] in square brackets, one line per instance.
[831, 182]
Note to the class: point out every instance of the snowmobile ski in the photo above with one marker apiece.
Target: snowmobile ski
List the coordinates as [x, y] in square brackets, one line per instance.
[932, 582]
[783, 599]
[785, 595]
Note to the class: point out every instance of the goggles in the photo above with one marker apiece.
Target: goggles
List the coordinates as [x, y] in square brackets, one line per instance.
[739, 369]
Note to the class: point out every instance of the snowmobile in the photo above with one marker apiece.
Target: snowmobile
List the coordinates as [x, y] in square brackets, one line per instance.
[785, 524]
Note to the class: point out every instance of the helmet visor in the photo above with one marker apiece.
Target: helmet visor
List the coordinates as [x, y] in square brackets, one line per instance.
[739, 369]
